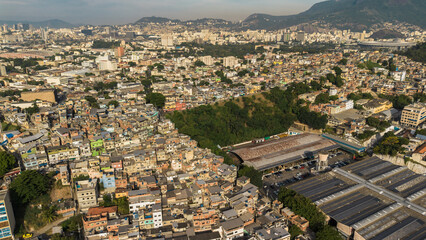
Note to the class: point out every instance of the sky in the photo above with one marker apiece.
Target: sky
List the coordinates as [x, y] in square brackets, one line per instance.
[99, 12]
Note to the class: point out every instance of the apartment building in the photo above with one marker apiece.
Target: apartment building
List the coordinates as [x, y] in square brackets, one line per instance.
[413, 115]
[87, 194]
[7, 219]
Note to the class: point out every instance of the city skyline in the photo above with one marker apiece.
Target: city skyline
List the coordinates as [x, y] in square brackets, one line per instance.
[121, 12]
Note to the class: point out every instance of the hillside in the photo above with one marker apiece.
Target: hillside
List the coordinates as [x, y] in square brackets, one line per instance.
[416, 53]
[387, 34]
[247, 118]
[154, 19]
[353, 14]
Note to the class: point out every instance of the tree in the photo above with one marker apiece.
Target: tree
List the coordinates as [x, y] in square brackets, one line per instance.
[254, 175]
[113, 102]
[322, 98]
[328, 233]
[390, 145]
[49, 213]
[72, 224]
[7, 161]
[294, 231]
[157, 99]
[92, 101]
[107, 201]
[337, 70]
[30, 185]
[343, 61]
[146, 84]
[58, 236]
[199, 63]
[33, 109]
[123, 205]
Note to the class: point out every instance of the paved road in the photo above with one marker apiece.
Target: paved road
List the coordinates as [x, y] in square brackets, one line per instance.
[49, 226]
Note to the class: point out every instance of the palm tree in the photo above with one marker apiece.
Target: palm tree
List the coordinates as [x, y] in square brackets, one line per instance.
[49, 213]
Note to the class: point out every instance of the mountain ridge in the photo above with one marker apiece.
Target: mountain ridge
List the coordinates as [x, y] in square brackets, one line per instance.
[354, 14]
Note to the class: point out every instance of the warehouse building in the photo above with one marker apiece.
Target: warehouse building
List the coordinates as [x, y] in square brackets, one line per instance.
[371, 200]
[283, 152]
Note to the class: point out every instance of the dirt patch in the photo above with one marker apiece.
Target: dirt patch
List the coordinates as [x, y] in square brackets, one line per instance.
[60, 192]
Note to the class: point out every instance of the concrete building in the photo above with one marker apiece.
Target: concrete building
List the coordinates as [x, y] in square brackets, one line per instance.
[370, 199]
[87, 194]
[232, 229]
[413, 115]
[286, 151]
[7, 219]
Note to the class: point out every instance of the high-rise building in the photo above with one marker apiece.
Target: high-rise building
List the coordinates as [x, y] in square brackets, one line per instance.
[413, 115]
[300, 36]
[7, 219]
[119, 52]
[167, 40]
[230, 61]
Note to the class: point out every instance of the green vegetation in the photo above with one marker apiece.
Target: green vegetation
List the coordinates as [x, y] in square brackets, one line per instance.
[365, 135]
[419, 97]
[238, 50]
[324, 98]
[7, 162]
[28, 191]
[416, 53]
[199, 63]
[9, 93]
[294, 231]
[421, 132]
[29, 185]
[223, 78]
[343, 61]
[92, 101]
[335, 79]
[245, 119]
[101, 86]
[399, 101]
[376, 123]
[157, 99]
[104, 44]
[328, 233]
[305, 208]
[113, 102]
[390, 145]
[122, 203]
[387, 34]
[81, 178]
[254, 175]
[9, 126]
[312, 119]
[369, 65]
[33, 109]
[312, 48]
[35, 82]
[359, 95]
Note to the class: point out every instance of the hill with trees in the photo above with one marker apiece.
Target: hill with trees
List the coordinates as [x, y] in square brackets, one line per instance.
[246, 118]
[416, 53]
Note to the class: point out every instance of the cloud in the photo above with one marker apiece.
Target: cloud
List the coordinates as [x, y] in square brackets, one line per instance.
[125, 11]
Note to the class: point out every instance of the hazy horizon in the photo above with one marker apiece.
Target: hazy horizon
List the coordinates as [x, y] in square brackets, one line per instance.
[111, 12]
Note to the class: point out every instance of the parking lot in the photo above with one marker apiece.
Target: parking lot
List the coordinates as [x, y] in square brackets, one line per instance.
[274, 181]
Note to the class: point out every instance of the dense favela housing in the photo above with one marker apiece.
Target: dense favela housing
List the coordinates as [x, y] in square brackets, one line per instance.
[100, 133]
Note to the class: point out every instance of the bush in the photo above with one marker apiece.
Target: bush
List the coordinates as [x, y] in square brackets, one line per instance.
[7, 162]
